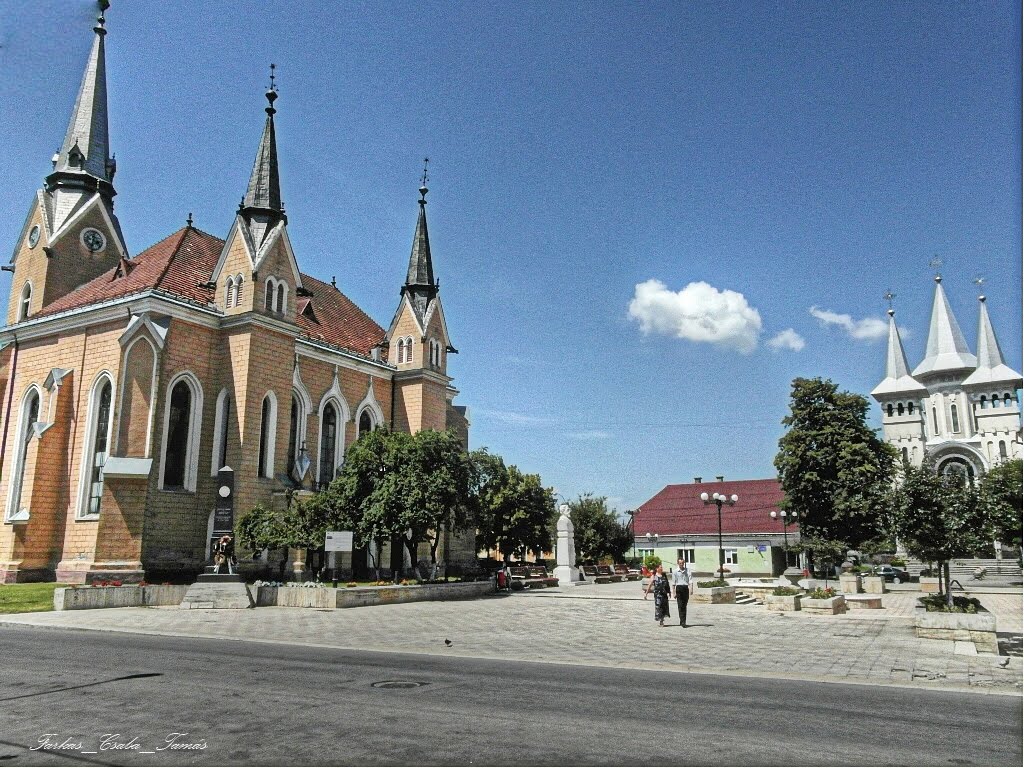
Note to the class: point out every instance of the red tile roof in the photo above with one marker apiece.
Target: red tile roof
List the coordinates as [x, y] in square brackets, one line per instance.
[678, 509]
[183, 263]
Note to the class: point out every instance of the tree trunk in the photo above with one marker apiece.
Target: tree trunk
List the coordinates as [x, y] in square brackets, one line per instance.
[949, 592]
[434, 542]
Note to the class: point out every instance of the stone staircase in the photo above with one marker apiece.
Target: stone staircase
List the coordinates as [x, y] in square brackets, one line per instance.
[742, 598]
[961, 568]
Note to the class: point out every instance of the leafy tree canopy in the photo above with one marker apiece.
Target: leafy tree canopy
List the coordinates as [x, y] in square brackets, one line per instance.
[597, 530]
[1001, 494]
[834, 469]
[514, 512]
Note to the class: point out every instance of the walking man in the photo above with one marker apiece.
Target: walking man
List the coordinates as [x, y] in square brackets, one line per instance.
[682, 578]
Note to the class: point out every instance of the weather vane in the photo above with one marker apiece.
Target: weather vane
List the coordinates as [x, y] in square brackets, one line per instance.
[425, 178]
[979, 281]
[889, 296]
[272, 86]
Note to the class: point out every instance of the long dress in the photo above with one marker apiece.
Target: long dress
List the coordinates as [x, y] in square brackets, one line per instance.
[661, 591]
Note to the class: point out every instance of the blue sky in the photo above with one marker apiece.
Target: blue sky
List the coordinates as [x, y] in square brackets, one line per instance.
[599, 173]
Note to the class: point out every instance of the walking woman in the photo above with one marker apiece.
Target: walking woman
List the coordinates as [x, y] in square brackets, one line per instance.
[659, 584]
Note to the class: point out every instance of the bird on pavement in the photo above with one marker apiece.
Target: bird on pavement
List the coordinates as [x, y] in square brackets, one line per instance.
[448, 642]
[1005, 662]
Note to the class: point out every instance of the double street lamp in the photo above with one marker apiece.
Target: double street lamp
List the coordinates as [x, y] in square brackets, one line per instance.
[718, 499]
[786, 517]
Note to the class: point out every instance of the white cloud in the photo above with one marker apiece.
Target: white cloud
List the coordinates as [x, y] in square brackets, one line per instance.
[700, 312]
[868, 329]
[787, 339]
[590, 434]
[511, 417]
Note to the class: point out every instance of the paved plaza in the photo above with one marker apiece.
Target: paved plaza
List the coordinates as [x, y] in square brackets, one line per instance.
[611, 625]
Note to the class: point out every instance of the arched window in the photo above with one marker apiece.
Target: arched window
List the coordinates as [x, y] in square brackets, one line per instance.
[182, 426]
[910, 407]
[328, 443]
[268, 422]
[229, 293]
[238, 290]
[221, 430]
[906, 454]
[995, 399]
[269, 302]
[1002, 449]
[935, 420]
[899, 408]
[401, 351]
[365, 422]
[888, 409]
[280, 298]
[293, 434]
[408, 349]
[25, 307]
[1007, 400]
[29, 416]
[96, 456]
[984, 403]
[954, 418]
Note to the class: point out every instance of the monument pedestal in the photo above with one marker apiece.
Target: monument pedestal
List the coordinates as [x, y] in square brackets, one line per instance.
[218, 590]
[568, 575]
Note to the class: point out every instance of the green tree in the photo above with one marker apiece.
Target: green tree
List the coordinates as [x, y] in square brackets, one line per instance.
[939, 517]
[513, 512]
[1001, 494]
[834, 469]
[597, 530]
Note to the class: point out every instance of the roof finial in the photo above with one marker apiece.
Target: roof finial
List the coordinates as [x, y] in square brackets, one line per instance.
[99, 29]
[980, 281]
[423, 182]
[889, 296]
[272, 91]
[188, 221]
[334, 282]
[936, 264]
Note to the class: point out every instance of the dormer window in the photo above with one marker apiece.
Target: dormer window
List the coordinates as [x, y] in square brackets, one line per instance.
[25, 305]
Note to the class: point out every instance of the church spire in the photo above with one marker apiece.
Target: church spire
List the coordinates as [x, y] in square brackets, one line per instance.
[947, 349]
[419, 281]
[261, 207]
[897, 373]
[84, 159]
[991, 368]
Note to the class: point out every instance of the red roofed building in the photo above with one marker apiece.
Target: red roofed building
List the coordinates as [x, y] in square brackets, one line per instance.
[677, 523]
[130, 382]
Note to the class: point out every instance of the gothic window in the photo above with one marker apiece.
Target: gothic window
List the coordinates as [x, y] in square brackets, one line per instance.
[910, 407]
[995, 399]
[269, 302]
[984, 403]
[268, 421]
[29, 416]
[954, 418]
[328, 444]
[98, 455]
[26, 302]
[1002, 449]
[899, 408]
[935, 421]
[365, 422]
[229, 292]
[182, 418]
[238, 290]
[293, 434]
[1007, 400]
[408, 349]
[280, 298]
[888, 409]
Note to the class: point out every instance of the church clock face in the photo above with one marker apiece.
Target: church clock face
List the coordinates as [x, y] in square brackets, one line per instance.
[93, 240]
[33, 237]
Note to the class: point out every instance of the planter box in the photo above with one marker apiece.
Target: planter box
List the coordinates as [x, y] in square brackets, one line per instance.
[849, 584]
[874, 585]
[865, 601]
[782, 602]
[355, 597]
[86, 598]
[714, 595]
[929, 583]
[978, 628]
[828, 606]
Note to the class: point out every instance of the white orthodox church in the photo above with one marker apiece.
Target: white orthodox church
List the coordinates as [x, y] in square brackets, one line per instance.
[959, 409]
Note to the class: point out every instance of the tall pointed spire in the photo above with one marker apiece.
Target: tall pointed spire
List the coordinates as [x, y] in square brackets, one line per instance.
[947, 349]
[991, 368]
[84, 159]
[897, 373]
[261, 205]
[419, 281]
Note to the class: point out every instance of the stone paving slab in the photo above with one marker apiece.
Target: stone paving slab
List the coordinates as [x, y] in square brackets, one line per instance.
[874, 647]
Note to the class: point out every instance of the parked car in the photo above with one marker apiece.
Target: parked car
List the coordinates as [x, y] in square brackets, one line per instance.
[892, 573]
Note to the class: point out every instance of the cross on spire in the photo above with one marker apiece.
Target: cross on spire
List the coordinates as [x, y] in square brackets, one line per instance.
[936, 264]
[889, 296]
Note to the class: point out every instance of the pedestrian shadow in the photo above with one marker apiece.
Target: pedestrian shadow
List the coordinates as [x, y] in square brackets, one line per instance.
[1010, 644]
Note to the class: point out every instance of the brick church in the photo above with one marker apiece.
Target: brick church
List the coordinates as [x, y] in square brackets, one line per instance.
[128, 381]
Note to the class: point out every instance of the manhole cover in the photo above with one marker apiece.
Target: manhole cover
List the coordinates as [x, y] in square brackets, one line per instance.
[397, 684]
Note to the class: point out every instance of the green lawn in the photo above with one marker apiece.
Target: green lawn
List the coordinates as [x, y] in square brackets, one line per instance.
[22, 598]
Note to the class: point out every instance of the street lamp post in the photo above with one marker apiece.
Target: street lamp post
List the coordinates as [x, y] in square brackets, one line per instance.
[632, 528]
[718, 499]
[786, 517]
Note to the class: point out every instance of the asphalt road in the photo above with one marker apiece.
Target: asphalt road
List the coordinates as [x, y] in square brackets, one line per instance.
[262, 704]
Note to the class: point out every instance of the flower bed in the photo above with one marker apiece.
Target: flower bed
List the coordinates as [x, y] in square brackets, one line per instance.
[783, 599]
[706, 592]
[978, 626]
[824, 601]
[353, 597]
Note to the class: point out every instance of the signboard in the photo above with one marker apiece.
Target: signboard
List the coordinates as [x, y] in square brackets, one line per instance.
[338, 541]
[762, 547]
[224, 511]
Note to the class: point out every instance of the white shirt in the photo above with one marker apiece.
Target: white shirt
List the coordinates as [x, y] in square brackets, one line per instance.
[682, 577]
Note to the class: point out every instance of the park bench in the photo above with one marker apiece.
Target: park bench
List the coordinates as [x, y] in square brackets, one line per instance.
[526, 576]
[540, 572]
[606, 570]
[591, 573]
[627, 575]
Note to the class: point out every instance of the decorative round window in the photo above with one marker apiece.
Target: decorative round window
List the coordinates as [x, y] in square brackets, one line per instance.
[93, 240]
[33, 237]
